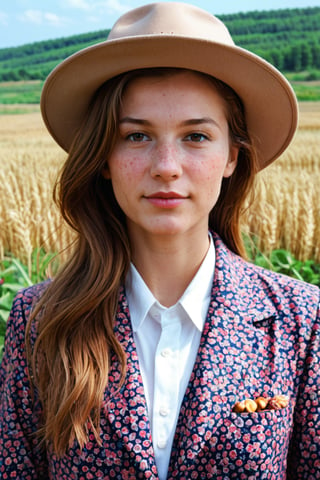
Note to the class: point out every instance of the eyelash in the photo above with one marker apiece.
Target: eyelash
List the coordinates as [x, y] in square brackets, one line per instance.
[142, 136]
[197, 135]
[132, 137]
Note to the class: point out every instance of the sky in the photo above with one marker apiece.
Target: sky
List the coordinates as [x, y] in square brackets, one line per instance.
[28, 21]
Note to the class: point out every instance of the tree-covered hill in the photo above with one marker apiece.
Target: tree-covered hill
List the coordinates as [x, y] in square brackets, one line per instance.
[288, 38]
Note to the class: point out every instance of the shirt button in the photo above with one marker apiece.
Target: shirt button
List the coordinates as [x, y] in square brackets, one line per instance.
[166, 352]
[162, 443]
[163, 411]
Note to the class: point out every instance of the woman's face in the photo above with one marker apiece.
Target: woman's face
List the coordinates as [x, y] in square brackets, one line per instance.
[171, 154]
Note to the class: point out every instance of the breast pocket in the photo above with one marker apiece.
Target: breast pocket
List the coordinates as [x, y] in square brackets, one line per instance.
[256, 443]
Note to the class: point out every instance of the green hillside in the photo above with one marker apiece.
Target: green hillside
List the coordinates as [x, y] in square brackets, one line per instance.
[288, 38]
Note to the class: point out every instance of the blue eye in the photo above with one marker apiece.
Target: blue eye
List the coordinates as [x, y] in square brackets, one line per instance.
[196, 137]
[137, 137]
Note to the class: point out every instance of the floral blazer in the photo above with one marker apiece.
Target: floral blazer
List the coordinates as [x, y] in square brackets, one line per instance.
[261, 337]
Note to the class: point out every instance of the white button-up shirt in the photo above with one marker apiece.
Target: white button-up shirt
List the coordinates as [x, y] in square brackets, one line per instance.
[167, 341]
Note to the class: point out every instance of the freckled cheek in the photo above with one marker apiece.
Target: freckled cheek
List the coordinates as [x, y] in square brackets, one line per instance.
[207, 178]
[211, 171]
[126, 170]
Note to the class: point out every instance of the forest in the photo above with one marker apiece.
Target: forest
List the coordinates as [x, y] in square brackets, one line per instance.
[287, 38]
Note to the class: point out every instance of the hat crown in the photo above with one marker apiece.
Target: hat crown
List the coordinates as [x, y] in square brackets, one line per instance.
[171, 18]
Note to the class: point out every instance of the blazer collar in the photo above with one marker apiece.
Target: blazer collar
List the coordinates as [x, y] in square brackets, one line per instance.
[241, 286]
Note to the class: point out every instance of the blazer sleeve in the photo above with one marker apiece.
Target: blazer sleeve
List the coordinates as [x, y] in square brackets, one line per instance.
[21, 454]
[304, 453]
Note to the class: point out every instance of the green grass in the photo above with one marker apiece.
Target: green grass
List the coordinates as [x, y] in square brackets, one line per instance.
[305, 76]
[307, 92]
[18, 109]
[20, 92]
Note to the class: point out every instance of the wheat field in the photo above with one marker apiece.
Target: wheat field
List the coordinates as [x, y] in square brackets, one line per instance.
[286, 209]
[29, 162]
[284, 214]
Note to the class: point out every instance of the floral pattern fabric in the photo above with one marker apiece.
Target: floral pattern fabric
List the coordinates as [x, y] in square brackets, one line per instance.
[261, 337]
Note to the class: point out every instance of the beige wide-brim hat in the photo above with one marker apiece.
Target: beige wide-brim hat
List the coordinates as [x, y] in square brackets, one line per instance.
[173, 35]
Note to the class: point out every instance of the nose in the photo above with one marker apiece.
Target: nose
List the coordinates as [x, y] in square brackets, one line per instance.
[166, 162]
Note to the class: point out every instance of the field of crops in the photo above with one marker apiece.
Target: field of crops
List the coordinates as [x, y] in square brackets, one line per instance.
[29, 162]
[285, 213]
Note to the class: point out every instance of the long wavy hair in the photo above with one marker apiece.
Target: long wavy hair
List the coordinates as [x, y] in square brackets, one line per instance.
[74, 318]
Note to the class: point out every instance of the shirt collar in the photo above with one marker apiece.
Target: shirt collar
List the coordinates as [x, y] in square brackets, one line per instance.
[140, 298]
[195, 300]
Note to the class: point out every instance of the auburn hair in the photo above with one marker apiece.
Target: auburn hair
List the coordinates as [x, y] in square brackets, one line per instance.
[74, 317]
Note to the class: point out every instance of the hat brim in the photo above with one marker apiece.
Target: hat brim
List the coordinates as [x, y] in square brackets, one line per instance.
[270, 104]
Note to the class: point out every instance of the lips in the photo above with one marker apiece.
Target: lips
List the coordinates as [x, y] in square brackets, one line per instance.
[165, 195]
[165, 199]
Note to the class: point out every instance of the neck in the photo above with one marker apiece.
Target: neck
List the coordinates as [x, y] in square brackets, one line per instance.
[168, 265]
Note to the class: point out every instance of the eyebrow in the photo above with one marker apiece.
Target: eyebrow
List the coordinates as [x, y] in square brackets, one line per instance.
[138, 121]
[185, 123]
[200, 121]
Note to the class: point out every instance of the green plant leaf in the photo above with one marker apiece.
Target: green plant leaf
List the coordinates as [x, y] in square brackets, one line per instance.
[6, 301]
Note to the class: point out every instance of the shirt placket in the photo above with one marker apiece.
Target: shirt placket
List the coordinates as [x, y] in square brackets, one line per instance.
[167, 373]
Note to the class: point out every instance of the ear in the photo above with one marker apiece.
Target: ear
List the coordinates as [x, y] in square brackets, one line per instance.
[232, 162]
[106, 172]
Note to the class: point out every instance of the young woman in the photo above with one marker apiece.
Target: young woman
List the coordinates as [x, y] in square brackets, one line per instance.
[157, 351]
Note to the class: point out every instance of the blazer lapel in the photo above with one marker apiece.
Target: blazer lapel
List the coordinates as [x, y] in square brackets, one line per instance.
[227, 367]
[126, 408]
